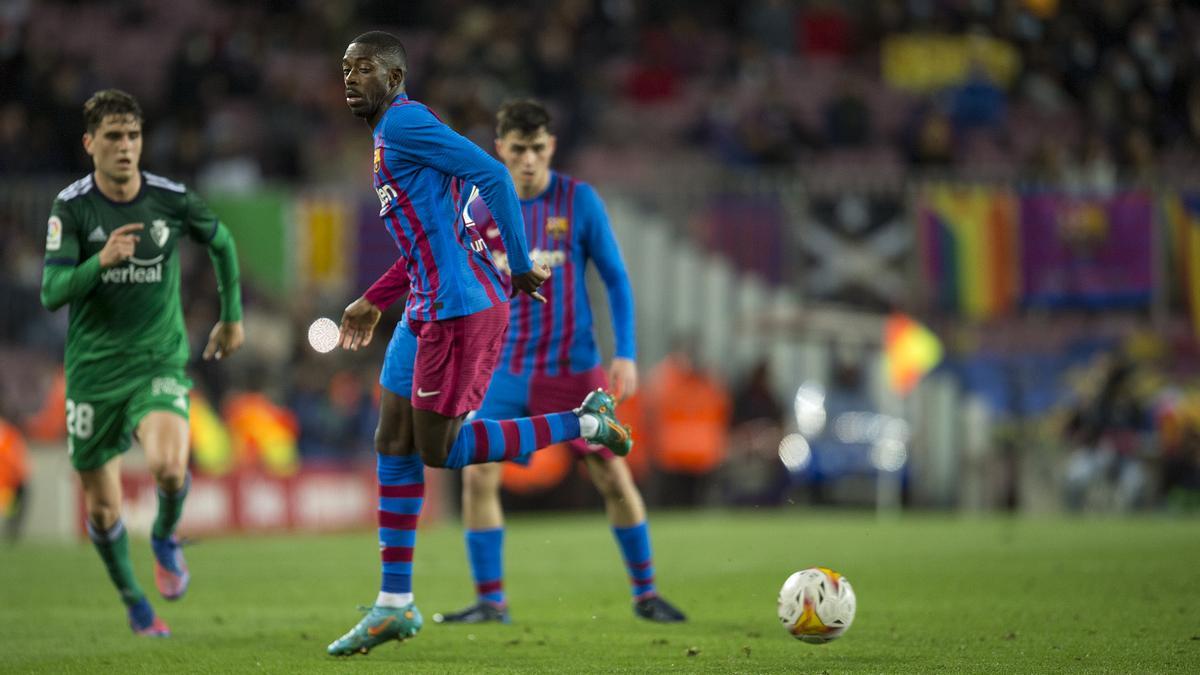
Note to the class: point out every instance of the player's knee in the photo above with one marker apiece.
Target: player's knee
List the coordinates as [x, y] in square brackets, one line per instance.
[102, 515]
[481, 480]
[388, 443]
[170, 476]
[614, 485]
[435, 457]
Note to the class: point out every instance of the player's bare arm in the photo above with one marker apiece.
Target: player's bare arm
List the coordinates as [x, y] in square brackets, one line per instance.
[120, 245]
[358, 324]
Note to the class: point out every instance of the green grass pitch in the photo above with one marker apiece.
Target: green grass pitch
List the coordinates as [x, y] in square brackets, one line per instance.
[936, 594]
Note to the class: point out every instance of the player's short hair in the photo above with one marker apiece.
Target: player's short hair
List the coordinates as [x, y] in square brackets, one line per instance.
[524, 116]
[109, 102]
[387, 46]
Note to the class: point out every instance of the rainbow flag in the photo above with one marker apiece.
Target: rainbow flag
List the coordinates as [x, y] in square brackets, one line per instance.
[1182, 212]
[910, 350]
[970, 248]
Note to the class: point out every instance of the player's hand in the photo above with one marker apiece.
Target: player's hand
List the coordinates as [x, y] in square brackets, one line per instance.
[531, 281]
[226, 338]
[623, 378]
[120, 245]
[358, 324]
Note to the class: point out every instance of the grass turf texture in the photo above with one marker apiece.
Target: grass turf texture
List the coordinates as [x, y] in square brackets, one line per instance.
[935, 594]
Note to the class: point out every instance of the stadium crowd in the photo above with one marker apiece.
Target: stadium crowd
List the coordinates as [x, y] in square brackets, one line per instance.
[1094, 90]
[244, 95]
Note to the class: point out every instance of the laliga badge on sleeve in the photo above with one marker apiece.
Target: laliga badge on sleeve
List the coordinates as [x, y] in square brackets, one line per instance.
[54, 234]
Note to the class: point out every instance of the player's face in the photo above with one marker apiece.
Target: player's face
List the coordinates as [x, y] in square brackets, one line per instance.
[368, 81]
[527, 156]
[116, 147]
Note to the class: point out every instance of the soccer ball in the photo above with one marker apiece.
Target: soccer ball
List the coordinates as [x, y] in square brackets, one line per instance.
[816, 605]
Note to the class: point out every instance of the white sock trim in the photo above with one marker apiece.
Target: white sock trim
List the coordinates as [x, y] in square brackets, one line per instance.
[589, 426]
[393, 599]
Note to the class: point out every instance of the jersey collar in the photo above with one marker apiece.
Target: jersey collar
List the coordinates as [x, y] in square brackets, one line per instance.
[136, 198]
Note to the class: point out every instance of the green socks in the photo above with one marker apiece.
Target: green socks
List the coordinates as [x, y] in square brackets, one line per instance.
[113, 547]
[170, 508]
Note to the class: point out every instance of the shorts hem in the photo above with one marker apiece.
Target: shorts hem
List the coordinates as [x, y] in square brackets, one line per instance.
[92, 466]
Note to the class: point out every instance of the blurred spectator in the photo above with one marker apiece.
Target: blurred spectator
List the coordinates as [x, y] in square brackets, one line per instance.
[14, 474]
[263, 433]
[932, 141]
[1107, 431]
[753, 475]
[847, 117]
[688, 413]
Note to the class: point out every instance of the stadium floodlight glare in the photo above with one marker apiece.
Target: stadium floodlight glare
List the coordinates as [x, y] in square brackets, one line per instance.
[889, 454]
[809, 407]
[794, 452]
[323, 335]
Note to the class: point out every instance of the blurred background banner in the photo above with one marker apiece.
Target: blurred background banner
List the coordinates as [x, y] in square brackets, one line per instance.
[263, 226]
[1087, 252]
[970, 242]
[930, 63]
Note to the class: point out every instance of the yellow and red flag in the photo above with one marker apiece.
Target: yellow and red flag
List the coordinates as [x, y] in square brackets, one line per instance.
[910, 350]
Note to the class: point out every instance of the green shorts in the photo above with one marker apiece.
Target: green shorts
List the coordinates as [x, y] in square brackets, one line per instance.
[98, 430]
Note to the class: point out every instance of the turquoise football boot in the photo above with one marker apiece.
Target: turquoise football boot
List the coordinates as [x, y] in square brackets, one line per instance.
[612, 434]
[378, 626]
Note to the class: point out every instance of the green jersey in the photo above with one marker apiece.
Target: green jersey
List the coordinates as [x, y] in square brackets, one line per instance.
[126, 321]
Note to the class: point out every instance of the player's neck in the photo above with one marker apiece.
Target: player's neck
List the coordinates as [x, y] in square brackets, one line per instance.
[531, 190]
[118, 192]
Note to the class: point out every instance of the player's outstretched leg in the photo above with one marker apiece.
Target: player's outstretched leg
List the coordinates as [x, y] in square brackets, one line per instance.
[481, 441]
[171, 574]
[394, 616]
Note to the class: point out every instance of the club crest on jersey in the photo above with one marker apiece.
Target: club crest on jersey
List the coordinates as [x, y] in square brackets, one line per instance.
[159, 232]
[378, 158]
[557, 227]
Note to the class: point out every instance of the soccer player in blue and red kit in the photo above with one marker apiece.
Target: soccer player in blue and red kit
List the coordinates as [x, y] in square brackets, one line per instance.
[550, 359]
[442, 355]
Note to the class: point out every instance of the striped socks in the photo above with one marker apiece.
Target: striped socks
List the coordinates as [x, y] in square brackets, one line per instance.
[635, 548]
[481, 441]
[401, 494]
[485, 550]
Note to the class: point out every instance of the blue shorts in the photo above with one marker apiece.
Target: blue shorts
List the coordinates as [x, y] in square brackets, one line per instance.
[510, 395]
[399, 363]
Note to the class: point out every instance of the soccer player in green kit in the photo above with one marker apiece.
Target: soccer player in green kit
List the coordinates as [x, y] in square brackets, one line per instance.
[111, 254]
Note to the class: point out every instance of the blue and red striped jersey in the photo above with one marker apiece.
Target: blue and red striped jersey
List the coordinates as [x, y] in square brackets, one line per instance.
[566, 226]
[426, 175]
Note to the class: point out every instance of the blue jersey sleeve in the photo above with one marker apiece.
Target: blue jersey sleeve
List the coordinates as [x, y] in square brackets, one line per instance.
[601, 247]
[422, 138]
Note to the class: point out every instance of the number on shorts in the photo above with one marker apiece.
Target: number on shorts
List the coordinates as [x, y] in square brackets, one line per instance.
[80, 417]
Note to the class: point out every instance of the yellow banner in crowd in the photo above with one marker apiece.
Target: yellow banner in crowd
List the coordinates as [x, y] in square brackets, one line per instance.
[927, 62]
